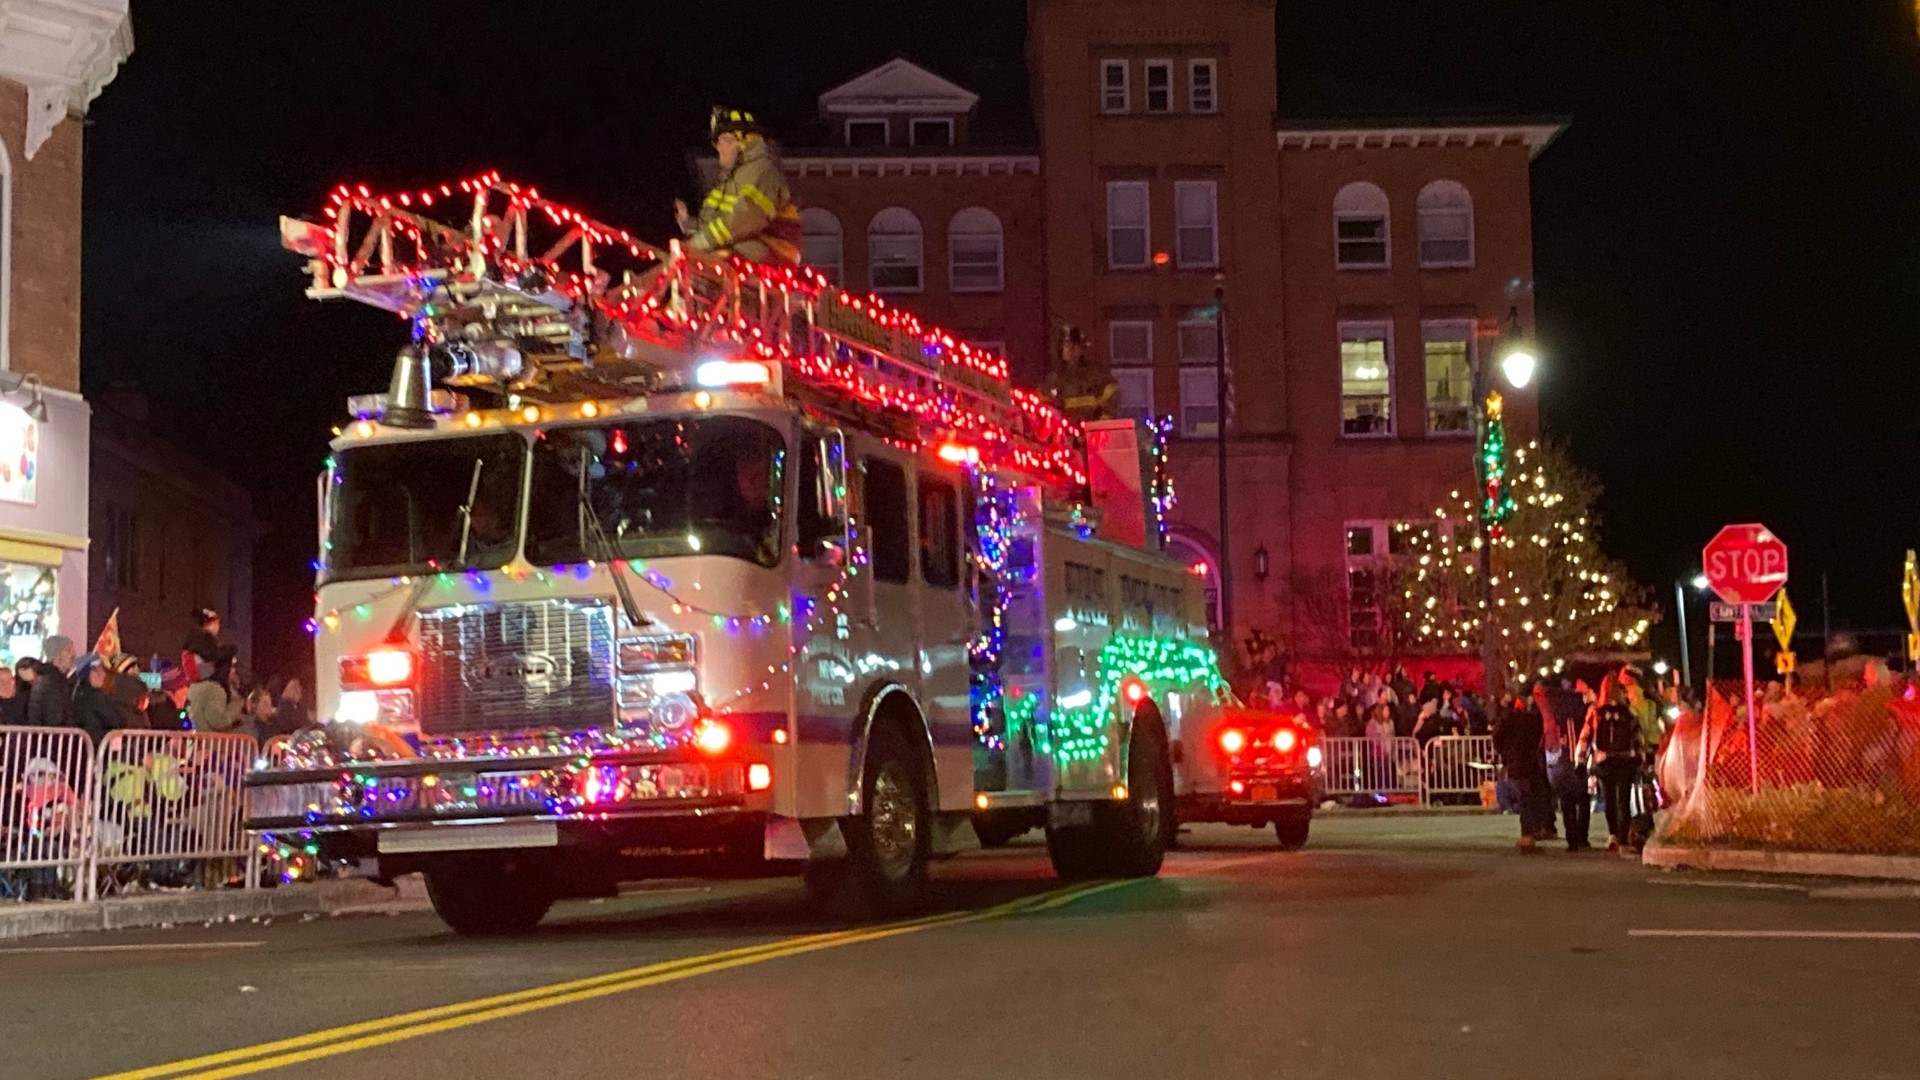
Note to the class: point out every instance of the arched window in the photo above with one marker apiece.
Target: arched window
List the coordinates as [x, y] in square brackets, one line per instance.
[893, 251]
[1195, 556]
[1446, 224]
[820, 245]
[1360, 227]
[975, 251]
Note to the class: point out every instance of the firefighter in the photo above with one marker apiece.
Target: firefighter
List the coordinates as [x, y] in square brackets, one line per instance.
[750, 211]
[1081, 388]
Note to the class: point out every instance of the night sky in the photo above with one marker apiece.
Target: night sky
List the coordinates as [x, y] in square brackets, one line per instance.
[1727, 239]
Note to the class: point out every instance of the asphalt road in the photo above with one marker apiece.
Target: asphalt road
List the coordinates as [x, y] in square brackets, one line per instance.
[1404, 947]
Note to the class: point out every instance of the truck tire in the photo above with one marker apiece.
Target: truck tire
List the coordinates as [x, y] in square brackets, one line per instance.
[490, 894]
[890, 843]
[1292, 831]
[1128, 838]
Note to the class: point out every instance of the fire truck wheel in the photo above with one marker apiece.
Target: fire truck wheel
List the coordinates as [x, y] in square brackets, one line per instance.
[1292, 831]
[889, 845]
[490, 894]
[1139, 827]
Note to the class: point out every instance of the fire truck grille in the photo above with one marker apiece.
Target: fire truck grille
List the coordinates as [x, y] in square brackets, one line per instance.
[502, 667]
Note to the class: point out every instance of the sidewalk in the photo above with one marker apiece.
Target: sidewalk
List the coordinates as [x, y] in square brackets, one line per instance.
[31, 919]
[1796, 863]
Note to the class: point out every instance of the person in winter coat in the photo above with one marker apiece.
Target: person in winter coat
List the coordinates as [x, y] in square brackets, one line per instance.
[204, 656]
[1563, 719]
[51, 702]
[166, 711]
[93, 710]
[1517, 738]
[750, 211]
[13, 699]
[127, 692]
[291, 715]
[1617, 750]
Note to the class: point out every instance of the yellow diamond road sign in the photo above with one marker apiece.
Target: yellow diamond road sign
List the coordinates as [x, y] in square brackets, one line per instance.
[1784, 620]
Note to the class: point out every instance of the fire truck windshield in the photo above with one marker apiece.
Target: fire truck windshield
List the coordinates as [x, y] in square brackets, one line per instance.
[424, 505]
[708, 485]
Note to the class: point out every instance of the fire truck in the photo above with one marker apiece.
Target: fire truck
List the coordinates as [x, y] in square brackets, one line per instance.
[650, 563]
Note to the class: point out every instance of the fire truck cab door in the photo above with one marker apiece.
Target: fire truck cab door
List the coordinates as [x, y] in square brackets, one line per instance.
[946, 628]
[886, 632]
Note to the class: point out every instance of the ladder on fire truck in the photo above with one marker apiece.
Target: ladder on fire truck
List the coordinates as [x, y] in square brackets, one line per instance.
[528, 297]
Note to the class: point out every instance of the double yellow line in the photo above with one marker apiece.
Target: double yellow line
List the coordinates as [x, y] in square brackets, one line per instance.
[331, 1042]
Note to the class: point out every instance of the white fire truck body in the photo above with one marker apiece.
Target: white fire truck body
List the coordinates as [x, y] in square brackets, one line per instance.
[714, 568]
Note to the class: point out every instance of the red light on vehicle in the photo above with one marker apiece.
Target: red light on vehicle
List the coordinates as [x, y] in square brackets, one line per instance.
[1133, 690]
[712, 736]
[1198, 569]
[759, 776]
[1233, 740]
[1237, 787]
[957, 454]
[386, 667]
[1285, 739]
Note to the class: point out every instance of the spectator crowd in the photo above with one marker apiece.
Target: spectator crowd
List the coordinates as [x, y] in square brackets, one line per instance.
[107, 690]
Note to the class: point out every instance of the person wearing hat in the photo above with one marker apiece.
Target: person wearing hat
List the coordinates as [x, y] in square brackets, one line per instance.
[204, 657]
[1082, 389]
[51, 702]
[750, 211]
[166, 711]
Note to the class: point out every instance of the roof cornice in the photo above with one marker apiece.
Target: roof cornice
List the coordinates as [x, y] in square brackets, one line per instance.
[64, 52]
[1535, 135]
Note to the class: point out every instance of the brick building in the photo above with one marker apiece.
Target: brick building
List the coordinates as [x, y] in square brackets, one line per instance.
[1364, 264]
[54, 59]
[170, 536]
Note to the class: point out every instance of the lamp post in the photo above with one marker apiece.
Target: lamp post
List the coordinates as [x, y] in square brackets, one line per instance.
[1517, 364]
[1686, 643]
[1220, 444]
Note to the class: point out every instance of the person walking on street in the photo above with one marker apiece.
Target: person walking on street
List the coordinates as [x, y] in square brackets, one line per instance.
[51, 702]
[1517, 738]
[1568, 742]
[1616, 733]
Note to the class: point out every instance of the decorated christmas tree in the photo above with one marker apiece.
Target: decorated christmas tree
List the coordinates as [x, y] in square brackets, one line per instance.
[1555, 596]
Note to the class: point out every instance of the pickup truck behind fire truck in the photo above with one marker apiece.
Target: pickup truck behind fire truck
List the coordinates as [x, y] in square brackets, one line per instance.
[711, 565]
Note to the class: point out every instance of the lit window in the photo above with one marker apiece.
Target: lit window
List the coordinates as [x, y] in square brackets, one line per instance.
[1115, 96]
[1366, 381]
[893, 251]
[974, 251]
[1159, 86]
[936, 131]
[1199, 402]
[820, 241]
[1202, 86]
[1446, 225]
[1360, 227]
[1449, 376]
[1127, 230]
[1196, 222]
[867, 133]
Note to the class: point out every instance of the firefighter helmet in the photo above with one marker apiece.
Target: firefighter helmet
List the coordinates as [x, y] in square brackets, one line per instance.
[738, 121]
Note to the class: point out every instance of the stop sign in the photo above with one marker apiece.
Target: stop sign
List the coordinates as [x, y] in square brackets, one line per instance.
[1745, 564]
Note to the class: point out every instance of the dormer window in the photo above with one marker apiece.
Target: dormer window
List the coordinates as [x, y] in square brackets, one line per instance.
[867, 133]
[931, 131]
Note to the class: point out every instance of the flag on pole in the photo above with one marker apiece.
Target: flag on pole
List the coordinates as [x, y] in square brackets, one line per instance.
[108, 643]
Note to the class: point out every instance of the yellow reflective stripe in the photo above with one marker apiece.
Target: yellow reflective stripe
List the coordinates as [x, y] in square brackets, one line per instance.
[714, 197]
[721, 234]
[748, 191]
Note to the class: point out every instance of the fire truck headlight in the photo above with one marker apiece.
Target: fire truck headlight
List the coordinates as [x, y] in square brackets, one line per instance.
[357, 707]
[1313, 757]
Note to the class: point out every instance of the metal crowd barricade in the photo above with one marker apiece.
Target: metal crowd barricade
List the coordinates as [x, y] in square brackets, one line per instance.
[1458, 765]
[172, 796]
[1362, 766]
[47, 784]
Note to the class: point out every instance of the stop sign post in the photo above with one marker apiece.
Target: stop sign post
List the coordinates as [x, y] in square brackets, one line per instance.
[1745, 565]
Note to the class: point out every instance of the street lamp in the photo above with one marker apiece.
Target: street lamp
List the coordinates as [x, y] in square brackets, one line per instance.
[1517, 364]
[1699, 582]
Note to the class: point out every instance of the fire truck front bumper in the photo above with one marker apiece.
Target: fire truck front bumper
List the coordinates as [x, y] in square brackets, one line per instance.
[635, 808]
